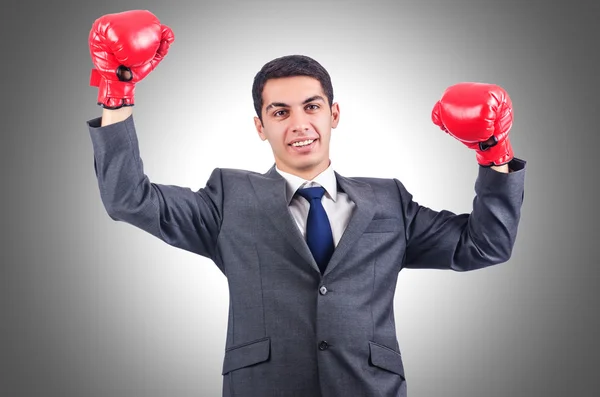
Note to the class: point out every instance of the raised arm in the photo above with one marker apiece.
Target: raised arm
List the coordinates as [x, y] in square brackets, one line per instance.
[177, 215]
[480, 116]
[462, 242]
[125, 48]
[115, 116]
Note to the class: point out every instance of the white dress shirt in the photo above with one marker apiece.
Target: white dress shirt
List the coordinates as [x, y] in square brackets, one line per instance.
[337, 205]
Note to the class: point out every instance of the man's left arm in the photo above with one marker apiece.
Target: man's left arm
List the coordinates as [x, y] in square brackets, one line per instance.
[502, 168]
[480, 116]
[485, 237]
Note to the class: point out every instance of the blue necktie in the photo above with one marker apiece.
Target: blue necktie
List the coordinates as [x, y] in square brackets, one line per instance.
[318, 230]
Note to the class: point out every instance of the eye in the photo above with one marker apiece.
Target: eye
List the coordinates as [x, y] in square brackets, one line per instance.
[277, 113]
[313, 106]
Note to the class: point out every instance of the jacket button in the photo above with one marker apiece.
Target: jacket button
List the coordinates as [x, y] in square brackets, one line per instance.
[323, 345]
[323, 290]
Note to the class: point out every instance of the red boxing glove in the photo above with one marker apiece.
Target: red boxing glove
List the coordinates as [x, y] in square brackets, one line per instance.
[125, 47]
[480, 116]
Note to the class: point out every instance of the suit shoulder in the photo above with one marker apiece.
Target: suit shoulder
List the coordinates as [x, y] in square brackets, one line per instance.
[384, 183]
[370, 179]
[235, 173]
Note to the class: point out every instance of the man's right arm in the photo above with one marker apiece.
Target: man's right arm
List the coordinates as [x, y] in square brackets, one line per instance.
[110, 116]
[177, 215]
[125, 47]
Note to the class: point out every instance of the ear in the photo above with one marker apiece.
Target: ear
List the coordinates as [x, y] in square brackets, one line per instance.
[335, 114]
[259, 128]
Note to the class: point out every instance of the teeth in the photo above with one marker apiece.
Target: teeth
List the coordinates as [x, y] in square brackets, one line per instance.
[303, 143]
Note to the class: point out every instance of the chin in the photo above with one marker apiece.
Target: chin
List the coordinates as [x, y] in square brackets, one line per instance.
[307, 165]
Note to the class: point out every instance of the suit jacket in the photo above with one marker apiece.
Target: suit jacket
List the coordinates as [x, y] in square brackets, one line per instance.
[293, 332]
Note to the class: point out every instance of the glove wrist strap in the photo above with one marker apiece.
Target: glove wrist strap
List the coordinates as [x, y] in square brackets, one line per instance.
[499, 154]
[112, 94]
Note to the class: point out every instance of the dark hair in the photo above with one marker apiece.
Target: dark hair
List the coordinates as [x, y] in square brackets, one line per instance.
[288, 66]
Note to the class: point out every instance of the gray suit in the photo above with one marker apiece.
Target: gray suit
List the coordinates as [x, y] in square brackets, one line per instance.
[292, 331]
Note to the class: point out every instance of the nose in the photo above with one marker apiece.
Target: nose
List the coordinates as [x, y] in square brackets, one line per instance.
[299, 122]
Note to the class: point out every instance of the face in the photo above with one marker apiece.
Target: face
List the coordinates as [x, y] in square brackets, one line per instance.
[295, 109]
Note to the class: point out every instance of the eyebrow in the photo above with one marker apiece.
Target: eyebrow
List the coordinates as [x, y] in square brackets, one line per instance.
[284, 105]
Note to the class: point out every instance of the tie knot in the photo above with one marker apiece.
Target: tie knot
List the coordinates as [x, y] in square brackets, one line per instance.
[311, 193]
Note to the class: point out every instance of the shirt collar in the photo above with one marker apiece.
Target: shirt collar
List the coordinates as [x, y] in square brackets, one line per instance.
[326, 179]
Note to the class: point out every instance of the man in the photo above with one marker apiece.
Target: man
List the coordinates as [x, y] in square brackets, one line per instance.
[311, 257]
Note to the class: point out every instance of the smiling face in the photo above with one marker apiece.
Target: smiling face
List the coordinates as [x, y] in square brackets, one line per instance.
[295, 109]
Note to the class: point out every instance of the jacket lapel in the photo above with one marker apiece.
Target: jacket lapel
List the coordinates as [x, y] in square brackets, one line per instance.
[362, 195]
[270, 190]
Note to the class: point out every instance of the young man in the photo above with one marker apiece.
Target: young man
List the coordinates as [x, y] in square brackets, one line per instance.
[311, 257]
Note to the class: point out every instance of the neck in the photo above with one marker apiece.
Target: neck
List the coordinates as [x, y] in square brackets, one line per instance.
[309, 173]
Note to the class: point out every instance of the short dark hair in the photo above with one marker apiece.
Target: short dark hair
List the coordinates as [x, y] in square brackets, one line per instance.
[289, 66]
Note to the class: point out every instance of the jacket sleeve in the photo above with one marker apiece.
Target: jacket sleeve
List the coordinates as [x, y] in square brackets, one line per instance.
[485, 237]
[177, 215]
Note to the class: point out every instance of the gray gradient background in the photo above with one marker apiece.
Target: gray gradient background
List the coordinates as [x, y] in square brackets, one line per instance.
[92, 307]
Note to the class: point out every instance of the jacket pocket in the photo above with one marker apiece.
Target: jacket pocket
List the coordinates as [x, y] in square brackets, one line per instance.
[384, 225]
[246, 354]
[386, 358]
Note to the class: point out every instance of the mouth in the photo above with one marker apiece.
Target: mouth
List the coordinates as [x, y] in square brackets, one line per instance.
[303, 146]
